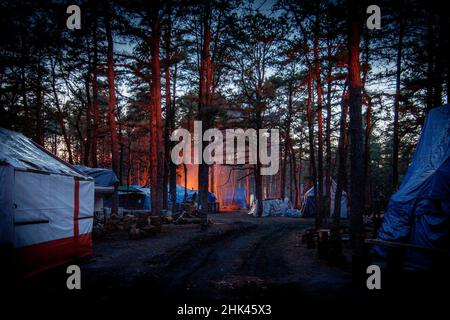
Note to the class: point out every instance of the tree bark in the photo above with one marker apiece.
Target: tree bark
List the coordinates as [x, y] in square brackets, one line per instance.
[112, 105]
[167, 127]
[396, 140]
[319, 190]
[312, 158]
[205, 100]
[157, 145]
[96, 112]
[60, 115]
[356, 132]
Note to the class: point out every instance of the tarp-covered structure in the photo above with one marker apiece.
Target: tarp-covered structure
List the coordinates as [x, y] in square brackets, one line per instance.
[275, 208]
[309, 204]
[46, 206]
[126, 200]
[102, 177]
[419, 212]
[235, 197]
[105, 183]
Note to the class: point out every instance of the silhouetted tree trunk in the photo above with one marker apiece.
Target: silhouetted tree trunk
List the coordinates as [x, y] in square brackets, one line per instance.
[87, 133]
[157, 146]
[205, 100]
[356, 132]
[312, 158]
[167, 127]
[342, 165]
[173, 167]
[319, 190]
[112, 104]
[60, 115]
[39, 120]
[94, 132]
[328, 141]
[395, 142]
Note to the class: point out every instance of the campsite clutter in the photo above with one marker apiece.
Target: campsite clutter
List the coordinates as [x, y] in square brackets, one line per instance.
[142, 224]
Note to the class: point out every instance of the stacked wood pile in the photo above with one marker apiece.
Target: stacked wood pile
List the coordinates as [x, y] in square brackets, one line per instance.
[141, 224]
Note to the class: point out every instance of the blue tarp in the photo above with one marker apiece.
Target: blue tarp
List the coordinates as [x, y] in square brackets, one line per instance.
[240, 198]
[191, 194]
[419, 212]
[309, 208]
[102, 177]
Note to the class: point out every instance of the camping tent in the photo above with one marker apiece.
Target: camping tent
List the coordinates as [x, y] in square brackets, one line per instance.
[309, 202]
[46, 206]
[419, 212]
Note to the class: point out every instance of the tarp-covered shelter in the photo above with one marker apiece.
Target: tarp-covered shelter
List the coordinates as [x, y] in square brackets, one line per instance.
[138, 197]
[309, 204]
[105, 182]
[102, 177]
[275, 208]
[419, 212]
[234, 197]
[46, 206]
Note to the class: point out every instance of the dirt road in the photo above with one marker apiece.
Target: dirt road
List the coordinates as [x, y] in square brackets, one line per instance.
[240, 258]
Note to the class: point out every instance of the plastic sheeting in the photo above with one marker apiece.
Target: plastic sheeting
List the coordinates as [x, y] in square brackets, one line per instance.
[180, 191]
[22, 153]
[418, 213]
[102, 177]
[309, 203]
[235, 197]
[275, 208]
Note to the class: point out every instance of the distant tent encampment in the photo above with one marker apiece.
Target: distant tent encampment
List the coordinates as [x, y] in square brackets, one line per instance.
[309, 205]
[138, 197]
[419, 212]
[46, 206]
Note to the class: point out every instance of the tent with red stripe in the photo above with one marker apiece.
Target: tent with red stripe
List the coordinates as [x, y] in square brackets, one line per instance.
[46, 207]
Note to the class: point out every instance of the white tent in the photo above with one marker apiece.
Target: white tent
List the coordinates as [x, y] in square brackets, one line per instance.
[309, 204]
[46, 206]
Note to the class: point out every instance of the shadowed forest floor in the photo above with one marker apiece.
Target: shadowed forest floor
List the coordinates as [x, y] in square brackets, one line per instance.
[240, 259]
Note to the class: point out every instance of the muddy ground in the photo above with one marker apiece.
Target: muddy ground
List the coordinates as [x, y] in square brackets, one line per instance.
[239, 259]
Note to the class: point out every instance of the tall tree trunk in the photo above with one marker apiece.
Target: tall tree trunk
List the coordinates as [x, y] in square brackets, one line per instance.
[205, 100]
[342, 157]
[167, 127]
[60, 115]
[87, 133]
[328, 144]
[356, 132]
[157, 145]
[96, 112]
[319, 190]
[39, 120]
[293, 175]
[112, 105]
[368, 130]
[26, 107]
[312, 158]
[396, 140]
[430, 49]
[173, 167]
